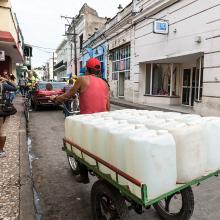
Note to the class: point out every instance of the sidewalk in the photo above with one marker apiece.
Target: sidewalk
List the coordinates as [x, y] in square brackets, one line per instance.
[15, 180]
[155, 107]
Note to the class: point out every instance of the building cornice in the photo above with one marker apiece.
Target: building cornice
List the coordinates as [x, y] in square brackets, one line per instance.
[61, 45]
[152, 9]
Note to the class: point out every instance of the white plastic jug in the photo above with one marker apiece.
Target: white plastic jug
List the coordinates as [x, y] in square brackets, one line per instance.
[141, 119]
[190, 149]
[169, 115]
[68, 133]
[151, 159]
[143, 112]
[115, 147]
[100, 135]
[156, 113]
[75, 129]
[100, 114]
[211, 129]
[88, 136]
[69, 130]
[188, 117]
[118, 147]
[154, 123]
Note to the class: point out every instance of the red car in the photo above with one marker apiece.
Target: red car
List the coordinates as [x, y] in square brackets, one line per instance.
[43, 92]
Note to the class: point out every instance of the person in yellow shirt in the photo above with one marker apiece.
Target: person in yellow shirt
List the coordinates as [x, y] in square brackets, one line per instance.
[74, 78]
[31, 80]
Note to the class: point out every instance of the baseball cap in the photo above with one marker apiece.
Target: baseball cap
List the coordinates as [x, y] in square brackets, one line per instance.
[93, 63]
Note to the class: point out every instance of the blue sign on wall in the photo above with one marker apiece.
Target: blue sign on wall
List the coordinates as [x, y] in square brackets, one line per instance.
[160, 27]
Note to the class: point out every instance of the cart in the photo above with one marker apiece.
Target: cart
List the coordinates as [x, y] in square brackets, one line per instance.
[110, 200]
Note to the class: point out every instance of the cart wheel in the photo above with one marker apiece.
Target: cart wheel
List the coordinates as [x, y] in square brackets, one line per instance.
[178, 206]
[73, 165]
[107, 202]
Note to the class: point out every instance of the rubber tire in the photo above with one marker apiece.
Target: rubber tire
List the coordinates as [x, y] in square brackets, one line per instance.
[74, 171]
[32, 103]
[187, 207]
[27, 115]
[101, 187]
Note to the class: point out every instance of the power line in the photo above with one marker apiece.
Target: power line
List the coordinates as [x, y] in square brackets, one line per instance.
[47, 48]
[44, 51]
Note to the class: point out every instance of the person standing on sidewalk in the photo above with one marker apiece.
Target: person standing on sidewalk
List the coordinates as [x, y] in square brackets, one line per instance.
[22, 83]
[93, 97]
[14, 82]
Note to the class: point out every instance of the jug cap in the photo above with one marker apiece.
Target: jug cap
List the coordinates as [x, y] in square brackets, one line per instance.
[161, 132]
[108, 118]
[122, 122]
[138, 126]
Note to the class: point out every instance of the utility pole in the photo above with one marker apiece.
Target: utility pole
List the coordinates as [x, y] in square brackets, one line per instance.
[68, 26]
[53, 65]
[75, 49]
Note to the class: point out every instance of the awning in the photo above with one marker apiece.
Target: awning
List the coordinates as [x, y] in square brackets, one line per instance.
[8, 44]
[184, 57]
[60, 69]
[6, 36]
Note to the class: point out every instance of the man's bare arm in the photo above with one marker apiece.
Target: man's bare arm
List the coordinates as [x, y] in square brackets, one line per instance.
[108, 102]
[66, 96]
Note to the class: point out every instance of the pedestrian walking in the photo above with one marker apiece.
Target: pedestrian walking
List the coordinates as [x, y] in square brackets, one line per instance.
[93, 97]
[22, 83]
[13, 93]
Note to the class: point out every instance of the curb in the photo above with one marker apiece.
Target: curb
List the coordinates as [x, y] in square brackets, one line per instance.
[26, 206]
[139, 107]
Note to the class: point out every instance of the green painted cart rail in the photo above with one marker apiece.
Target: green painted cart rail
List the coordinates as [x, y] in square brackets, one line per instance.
[124, 190]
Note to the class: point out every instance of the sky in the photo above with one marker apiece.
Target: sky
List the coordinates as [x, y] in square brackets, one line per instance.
[41, 23]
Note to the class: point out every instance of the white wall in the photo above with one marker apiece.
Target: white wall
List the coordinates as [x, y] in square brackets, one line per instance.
[190, 19]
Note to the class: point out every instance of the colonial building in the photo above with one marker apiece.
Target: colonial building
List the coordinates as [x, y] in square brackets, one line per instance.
[163, 54]
[84, 25]
[96, 46]
[62, 52]
[119, 36]
[112, 46]
[50, 68]
[177, 54]
[11, 39]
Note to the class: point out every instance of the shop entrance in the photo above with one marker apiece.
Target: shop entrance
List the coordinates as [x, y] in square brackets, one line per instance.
[5, 65]
[192, 82]
[121, 84]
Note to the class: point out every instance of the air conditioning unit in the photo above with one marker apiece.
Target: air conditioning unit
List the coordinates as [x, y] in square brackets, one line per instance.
[2, 55]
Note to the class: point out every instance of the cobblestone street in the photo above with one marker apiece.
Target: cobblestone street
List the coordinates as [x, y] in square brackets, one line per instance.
[9, 170]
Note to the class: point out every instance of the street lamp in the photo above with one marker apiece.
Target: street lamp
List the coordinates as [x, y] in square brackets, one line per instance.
[120, 7]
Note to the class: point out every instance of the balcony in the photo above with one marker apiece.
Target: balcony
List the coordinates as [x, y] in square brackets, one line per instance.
[11, 39]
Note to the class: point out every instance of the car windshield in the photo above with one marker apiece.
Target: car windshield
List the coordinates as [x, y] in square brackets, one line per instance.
[42, 86]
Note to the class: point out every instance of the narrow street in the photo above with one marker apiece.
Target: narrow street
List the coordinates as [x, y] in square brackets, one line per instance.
[160, 56]
[61, 197]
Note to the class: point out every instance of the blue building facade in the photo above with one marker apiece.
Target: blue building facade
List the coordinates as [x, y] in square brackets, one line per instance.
[100, 52]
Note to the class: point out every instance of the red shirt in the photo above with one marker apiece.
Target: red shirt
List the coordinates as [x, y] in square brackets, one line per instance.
[95, 97]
